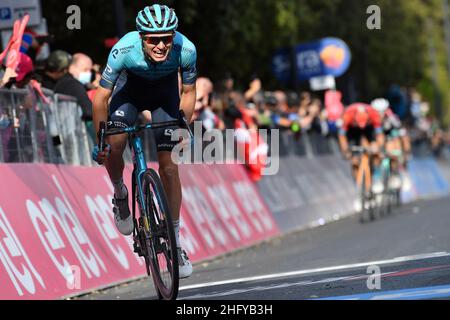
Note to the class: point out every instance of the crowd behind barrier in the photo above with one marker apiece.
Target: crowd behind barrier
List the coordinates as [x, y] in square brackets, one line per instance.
[62, 131]
[39, 132]
[54, 133]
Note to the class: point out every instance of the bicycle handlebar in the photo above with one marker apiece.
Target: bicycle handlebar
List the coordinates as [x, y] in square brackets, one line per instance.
[360, 149]
[104, 132]
[101, 136]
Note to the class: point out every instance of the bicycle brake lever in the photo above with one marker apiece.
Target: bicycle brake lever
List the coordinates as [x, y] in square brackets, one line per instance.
[184, 124]
[101, 135]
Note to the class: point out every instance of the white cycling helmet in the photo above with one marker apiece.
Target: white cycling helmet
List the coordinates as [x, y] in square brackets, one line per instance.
[381, 105]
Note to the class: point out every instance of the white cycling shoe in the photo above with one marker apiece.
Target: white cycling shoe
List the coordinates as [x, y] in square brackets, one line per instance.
[124, 225]
[395, 182]
[185, 266]
[378, 187]
[357, 205]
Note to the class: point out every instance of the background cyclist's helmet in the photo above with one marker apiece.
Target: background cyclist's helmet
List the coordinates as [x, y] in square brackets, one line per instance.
[381, 105]
[156, 19]
[362, 116]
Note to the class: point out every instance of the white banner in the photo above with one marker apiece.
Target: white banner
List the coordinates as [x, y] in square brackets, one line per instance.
[11, 10]
[322, 83]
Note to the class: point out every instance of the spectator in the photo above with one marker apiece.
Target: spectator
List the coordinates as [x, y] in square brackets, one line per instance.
[309, 112]
[24, 71]
[21, 119]
[397, 100]
[334, 110]
[33, 44]
[203, 111]
[281, 114]
[73, 84]
[254, 92]
[56, 67]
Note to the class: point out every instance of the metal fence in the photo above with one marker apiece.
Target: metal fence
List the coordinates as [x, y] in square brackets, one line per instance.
[35, 132]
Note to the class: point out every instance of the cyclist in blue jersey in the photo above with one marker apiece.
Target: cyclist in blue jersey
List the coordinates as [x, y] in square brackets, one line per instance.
[142, 74]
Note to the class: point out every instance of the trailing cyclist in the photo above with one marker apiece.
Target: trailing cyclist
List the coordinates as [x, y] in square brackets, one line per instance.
[142, 74]
[361, 126]
[395, 135]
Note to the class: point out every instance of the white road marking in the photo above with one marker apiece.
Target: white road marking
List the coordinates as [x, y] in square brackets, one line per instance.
[406, 294]
[317, 270]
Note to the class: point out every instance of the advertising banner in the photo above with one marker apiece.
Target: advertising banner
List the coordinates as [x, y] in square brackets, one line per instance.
[57, 232]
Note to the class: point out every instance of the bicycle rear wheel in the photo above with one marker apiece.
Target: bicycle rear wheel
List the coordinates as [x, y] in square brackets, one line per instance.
[162, 248]
[387, 199]
[363, 199]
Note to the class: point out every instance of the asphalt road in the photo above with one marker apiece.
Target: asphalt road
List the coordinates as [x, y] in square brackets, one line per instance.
[402, 256]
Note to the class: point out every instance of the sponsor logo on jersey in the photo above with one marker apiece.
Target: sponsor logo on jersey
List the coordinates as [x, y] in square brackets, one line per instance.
[119, 113]
[168, 132]
[115, 53]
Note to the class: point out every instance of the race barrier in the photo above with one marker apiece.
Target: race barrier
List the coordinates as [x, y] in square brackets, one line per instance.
[309, 192]
[42, 132]
[425, 179]
[58, 238]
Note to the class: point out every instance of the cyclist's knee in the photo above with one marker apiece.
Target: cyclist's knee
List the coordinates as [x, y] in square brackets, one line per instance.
[167, 167]
[169, 171]
[118, 144]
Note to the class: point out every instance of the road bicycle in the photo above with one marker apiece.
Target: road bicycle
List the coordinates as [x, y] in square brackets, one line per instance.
[153, 234]
[364, 183]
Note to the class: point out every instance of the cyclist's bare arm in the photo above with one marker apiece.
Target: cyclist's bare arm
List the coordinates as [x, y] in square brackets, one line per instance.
[188, 97]
[343, 143]
[100, 106]
[380, 140]
[406, 143]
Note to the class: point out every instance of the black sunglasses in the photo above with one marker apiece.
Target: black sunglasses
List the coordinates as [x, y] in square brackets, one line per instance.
[156, 40]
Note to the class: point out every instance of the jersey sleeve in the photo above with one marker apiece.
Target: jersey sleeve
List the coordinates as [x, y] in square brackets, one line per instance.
[115, 65]
[188, 63]
[376, 120]
[347, 118]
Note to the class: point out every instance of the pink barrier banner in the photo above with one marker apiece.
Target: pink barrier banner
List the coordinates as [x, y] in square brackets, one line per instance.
[58, 238]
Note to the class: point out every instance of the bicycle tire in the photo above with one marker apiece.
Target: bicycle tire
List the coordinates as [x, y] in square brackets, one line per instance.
[370, 199]
[363, 198]
[161, 243]
[387, 199]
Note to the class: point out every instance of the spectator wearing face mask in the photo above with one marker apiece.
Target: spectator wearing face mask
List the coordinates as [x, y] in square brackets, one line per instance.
[73, 84]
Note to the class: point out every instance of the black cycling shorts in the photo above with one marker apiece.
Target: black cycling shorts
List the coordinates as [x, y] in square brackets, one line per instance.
[133, 95]
[355, 134]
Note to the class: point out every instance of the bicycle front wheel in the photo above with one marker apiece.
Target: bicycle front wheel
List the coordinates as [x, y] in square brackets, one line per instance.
[162, 248]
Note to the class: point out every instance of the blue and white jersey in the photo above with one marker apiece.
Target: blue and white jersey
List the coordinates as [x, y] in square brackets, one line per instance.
[128, 56]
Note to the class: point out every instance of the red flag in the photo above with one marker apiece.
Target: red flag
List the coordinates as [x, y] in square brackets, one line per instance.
[13, 48]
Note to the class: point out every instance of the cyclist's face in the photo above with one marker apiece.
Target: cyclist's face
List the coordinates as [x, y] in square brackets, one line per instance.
[158, 46]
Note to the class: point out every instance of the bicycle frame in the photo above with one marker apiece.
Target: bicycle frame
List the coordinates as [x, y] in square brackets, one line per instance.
[139, 168]
[364, 167]
[148, 229]
[139, 162]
